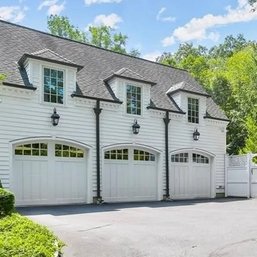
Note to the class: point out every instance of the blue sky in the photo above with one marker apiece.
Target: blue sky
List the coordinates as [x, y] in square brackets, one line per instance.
[153, 26]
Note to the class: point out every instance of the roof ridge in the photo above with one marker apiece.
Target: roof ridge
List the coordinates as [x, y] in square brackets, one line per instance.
[87, 44]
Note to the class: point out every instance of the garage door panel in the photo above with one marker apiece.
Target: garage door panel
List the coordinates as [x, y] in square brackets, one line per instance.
[181, 180]
[190, 176]
[201, 180]
[144, 181]
[42, 178]
[116, 183]
[129, 175]
[70, 180]
[31, 181]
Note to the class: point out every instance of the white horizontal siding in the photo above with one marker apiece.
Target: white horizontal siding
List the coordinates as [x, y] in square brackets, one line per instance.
[23, 117]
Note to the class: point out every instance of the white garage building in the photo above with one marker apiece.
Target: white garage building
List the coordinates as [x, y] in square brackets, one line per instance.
[80, 124]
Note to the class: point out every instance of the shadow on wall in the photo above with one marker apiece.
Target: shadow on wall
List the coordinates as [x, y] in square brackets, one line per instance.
[108, 207]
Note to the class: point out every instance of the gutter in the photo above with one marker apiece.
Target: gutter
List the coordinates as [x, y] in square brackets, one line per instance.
[165, 110]
[96, 98]
[19, 86]
[166, 122]
[97, 111]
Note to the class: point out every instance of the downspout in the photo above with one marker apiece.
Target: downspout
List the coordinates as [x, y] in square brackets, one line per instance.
[97, 111]
[166, 122]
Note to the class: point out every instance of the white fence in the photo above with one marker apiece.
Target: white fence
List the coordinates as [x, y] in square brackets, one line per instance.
[241, 176]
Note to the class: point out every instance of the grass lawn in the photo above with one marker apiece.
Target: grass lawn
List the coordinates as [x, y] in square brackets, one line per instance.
[21, 237]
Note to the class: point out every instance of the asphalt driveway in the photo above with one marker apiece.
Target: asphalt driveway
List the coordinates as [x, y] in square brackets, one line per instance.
[158, 229]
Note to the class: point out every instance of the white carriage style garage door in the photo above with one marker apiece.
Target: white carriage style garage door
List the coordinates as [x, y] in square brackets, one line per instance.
[129, 174]
[49, 173]
[190, 176]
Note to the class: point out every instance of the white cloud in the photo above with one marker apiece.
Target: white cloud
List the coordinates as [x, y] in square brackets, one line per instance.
[152, 56]
[168, 41]
[89, 2]
[111, 20]
[199, 28]
[12, 13]
[54, 8]
[160, 17]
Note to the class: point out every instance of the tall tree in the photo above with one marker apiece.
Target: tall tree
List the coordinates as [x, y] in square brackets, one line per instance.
[61, 26]
[230, 45]
[104, 37]
[101, 36]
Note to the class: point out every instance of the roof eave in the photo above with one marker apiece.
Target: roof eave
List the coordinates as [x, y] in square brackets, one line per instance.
[19, 86]
[215, 118]
[128, 78]
[96, 98]
[164, 109]
[188, 91]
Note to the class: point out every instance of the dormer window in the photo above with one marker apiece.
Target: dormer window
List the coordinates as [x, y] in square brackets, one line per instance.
[134, 97]
[53, 86]
[193, 110]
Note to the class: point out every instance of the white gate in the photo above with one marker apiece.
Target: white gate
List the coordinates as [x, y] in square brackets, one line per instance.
[241, 176]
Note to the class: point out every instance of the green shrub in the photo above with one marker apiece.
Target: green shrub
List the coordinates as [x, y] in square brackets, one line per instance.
[1, 186]
[6, 202]
[21, 237]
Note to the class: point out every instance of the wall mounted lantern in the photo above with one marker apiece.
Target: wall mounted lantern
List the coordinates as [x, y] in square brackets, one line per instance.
[135, 127]
[196, 135]
[55, 118]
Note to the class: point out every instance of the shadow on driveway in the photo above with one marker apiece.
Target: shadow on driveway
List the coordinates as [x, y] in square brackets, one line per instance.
[113, 207]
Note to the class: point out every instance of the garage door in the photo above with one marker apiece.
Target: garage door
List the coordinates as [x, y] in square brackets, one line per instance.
[129, 174]
[190, 176]
[49, 173]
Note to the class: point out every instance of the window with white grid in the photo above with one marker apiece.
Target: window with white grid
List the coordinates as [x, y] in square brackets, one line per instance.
[193, 110]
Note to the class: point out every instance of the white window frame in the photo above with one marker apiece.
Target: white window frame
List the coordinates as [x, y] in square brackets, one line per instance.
[198, 116]
[141, 100]
[57, 68]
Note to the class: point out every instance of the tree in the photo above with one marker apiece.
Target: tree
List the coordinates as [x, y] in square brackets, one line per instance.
[101, 36]
[104, 37]
[250, 143]
[167, 59]
[230, 45]
[61, 26]
[134, 52]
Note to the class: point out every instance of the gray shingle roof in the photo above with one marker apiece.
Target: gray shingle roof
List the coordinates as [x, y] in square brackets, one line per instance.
[186, 87]
[98, 64]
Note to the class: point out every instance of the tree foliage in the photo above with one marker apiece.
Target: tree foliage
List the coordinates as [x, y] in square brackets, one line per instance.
[61, 26]
[100, 36]
[2, 77]
[228, 72]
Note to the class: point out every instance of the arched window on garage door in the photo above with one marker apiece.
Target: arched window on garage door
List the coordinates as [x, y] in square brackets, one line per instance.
[35, 149]
[140, 155]
[116, 154]
[198, 158]
[68, 151]
[179, 157]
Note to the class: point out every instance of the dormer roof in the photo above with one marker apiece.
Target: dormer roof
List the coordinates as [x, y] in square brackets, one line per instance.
[186, 87]
[49, 56]
[127, 73]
